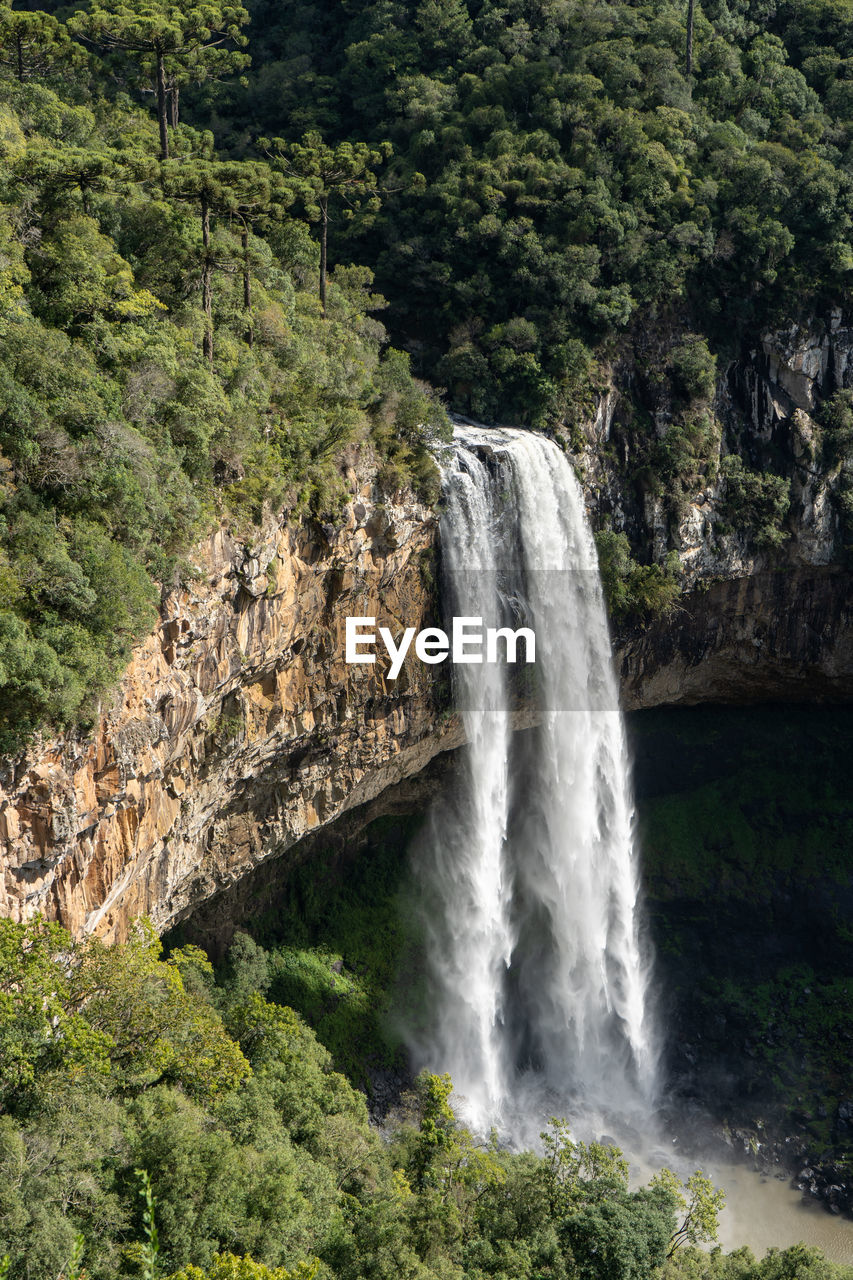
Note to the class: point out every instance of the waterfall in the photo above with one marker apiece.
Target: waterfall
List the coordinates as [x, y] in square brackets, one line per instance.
[527, 866]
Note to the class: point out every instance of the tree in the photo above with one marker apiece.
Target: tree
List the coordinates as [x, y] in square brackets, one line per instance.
[42, 1038]
[191, 40]
[158, 1032]
[572, 1165]
[255, 192]
[701, 1207]
[691, 7]
[612, 1233]
[33, 44]
[80, 276]
[319, 172]
[239, 190]
[54, 171]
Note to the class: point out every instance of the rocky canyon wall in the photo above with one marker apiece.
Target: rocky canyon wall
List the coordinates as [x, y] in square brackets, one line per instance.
[238, 728]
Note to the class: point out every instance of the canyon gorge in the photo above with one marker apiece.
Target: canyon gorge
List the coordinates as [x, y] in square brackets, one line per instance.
[238, 729]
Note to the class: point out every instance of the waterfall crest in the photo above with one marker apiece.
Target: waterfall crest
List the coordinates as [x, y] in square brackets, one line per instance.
[528, 868]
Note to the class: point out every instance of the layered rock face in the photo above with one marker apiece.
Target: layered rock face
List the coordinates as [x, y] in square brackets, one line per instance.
[764, 409]
[238, 726]
[774, 635]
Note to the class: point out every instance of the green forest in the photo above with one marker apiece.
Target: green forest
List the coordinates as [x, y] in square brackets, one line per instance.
[236, 243]
[159, 1120]
[238, 247]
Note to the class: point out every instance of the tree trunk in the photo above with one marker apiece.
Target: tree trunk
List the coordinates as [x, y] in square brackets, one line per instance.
[174, 102]
[691, 5]
[161, 108]
[20, 45]
[247, 286]
[324, 241]
[207, 281]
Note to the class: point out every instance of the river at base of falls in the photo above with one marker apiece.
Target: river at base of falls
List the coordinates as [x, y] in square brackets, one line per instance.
[763, 1212]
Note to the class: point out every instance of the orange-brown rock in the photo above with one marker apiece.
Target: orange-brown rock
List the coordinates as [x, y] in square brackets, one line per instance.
[238, 726]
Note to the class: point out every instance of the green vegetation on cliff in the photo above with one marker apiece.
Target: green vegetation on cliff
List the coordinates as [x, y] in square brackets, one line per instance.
[535, 184]
[559, 178]
[165, 360]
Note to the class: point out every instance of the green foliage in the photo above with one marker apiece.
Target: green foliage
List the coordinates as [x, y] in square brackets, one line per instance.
[612, 1233]
[163, 364]
[334, 943]
[409, 421]
[150, 1251]
[70, 1010]
[75, 1269]
[755, 502]
[317, 173]
[44, 1039]
[155, 1029]
[836, 419]
[226, 1266]
[35, 43]
[694, 368]
[797, 1263]
[173, 43]
[557, 178]
[701, 1204]
[632, 590]
[142, 1175]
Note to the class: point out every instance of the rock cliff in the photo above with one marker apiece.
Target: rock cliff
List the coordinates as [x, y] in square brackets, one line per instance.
[238, 727]
[763, 411]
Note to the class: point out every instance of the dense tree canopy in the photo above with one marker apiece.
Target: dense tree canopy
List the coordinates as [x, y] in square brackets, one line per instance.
[177, 42]
[576, 177]
[163, 358]
[158, 1121]
[535, 185]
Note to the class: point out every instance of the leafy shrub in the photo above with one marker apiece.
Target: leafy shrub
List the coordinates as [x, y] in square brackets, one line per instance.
[694, 368]
[407, 421]
[632, 590]
[755, 502]
[836, 417]
[687, 451]
[226, 1266]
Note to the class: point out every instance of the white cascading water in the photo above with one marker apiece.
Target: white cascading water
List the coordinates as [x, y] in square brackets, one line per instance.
[527, 868]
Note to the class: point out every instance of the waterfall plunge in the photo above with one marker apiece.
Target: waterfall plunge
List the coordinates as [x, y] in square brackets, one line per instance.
[527, 868]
